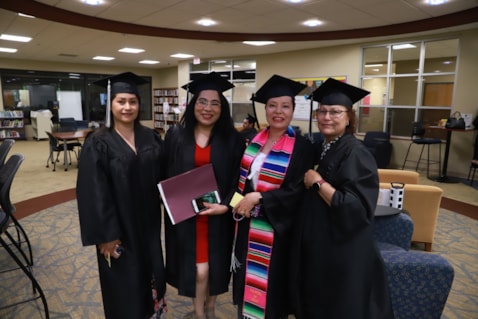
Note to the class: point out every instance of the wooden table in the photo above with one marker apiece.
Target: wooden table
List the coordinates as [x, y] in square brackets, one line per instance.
[443, 177]
[69, 136]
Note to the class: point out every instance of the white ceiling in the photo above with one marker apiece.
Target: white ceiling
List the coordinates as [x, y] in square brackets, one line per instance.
[55, 40]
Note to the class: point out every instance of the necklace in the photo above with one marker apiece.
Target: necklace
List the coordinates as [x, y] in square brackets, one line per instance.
[327, 146]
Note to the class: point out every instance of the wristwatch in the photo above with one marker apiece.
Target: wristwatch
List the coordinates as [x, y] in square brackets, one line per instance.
[316, 186]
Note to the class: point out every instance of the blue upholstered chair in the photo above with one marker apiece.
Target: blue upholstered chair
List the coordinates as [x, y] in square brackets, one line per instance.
[419, 281]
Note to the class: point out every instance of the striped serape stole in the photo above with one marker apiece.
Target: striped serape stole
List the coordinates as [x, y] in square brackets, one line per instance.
[261, 238]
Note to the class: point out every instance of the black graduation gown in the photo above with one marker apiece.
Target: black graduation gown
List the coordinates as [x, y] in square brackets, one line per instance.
[249, 133]
[280, 210]
[180, 239]
[118, 198]
[337, 270]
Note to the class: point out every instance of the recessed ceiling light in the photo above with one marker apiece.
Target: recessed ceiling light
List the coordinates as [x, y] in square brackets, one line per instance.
[206, 22]
[8, 50]
[403, 46]
[373, 65]
[295, 1]
[103, 58]
[130, 50]
[447, 62]
[149, 62]
[182, 56]
[435, 2]
[259, 43]
[312, 23]
[93, 2]
[10, 37]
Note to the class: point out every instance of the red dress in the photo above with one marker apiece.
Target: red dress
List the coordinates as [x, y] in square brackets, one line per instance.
[202, 156]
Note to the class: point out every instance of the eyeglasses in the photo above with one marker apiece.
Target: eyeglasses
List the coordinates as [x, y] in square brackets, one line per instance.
[204, 103]
[332, 113]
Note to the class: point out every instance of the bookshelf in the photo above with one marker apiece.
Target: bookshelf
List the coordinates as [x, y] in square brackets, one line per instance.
[12, 125]
[164, 100]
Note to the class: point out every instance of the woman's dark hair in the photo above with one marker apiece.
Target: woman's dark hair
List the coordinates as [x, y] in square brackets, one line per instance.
[224, 126]
[350, 129]
[136, 120]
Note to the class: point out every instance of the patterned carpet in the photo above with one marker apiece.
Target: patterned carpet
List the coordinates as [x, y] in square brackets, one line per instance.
[67, 271]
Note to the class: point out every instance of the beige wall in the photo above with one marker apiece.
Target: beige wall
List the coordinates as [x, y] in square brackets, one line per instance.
[333, 61]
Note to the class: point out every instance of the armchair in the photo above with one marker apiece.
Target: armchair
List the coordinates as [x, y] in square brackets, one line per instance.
[398, 175]
[378, 143]
[419, 281]
[422, 202]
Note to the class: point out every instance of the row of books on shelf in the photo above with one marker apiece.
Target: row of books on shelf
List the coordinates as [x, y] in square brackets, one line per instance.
[169, 99]
[162, 125]
[169, 92]
[9, 134]
[12, 123]
[166, 117]
[18, 114]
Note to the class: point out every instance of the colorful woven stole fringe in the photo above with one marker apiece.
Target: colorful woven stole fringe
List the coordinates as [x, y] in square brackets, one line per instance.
[261, 233]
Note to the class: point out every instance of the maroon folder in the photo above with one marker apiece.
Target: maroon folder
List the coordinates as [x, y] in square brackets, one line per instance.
[177, 192]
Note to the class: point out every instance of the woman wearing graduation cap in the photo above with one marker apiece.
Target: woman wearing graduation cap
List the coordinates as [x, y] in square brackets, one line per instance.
[118, 204]
[198, 250]
[272, 172]
[338, 270]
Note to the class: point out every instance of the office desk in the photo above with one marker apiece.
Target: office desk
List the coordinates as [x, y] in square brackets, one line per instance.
[443, 177]
[69, 136]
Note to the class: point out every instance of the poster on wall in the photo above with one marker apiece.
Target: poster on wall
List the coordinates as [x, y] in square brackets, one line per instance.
[70, 104]
[302, 102]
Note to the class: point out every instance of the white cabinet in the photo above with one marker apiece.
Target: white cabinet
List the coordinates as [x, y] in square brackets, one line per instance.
[41, 125]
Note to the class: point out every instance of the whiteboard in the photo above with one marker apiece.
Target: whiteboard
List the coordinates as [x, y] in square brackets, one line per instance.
[70, 104]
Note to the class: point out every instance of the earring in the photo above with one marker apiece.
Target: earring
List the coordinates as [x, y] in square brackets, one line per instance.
[347, 123]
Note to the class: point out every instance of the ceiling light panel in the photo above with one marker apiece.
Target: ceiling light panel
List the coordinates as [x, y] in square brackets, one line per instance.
[258, 43]
[8, 50]
[148, 62]
[103, 58]
[131, 50]
[182, 55]
[17, 38]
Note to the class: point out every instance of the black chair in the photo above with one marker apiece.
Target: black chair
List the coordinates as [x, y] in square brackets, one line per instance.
[13, 248]
[4, 149]
[69, 124]
[55, 146]
[378, 143]
[418, 138]
[474, 162]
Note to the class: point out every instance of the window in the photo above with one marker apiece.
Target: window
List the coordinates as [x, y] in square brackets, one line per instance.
[33, 90]
[242, 73]
[408, 82]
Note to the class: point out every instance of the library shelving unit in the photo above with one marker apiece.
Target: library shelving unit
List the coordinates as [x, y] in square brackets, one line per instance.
[165, 97]
[12, 125]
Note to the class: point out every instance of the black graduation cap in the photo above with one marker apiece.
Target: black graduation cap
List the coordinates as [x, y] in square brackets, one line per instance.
[251, 119]
[278, 86]
[210, 81]
[334, 92]
[126, 82]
